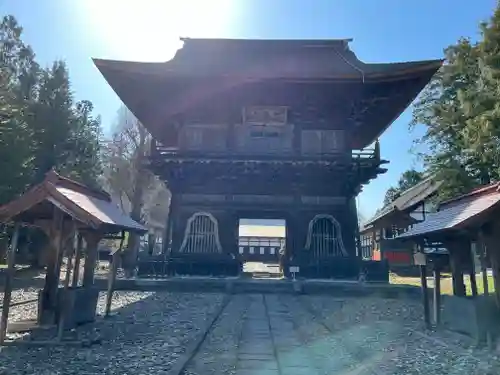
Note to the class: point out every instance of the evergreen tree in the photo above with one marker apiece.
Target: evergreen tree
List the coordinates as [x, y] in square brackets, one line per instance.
[440, 109]
[18, 82]
[461, 112]
[41, 125]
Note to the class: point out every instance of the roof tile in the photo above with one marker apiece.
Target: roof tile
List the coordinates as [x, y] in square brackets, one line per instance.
[453, 216]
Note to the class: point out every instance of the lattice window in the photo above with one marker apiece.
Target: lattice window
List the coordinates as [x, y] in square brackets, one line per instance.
[204, 137]
[322, 141]
[324, 237]
[201, 235]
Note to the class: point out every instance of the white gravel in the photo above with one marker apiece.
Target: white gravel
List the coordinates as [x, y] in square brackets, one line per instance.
[395, 329]
[19, 295]
[362, 336]
[147, 335]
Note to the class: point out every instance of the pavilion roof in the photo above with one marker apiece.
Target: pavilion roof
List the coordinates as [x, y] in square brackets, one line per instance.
[458, 213]
[406, 202]
[203, 68]
[92, 208]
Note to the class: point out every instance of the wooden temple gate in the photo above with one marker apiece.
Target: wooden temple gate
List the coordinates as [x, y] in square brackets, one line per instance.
[278, 128]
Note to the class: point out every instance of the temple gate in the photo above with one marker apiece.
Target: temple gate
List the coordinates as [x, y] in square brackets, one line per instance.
[274, 128]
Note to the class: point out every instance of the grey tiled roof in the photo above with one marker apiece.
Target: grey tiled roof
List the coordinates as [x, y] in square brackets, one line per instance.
[454, 215]
[408, 199]
[105, 211]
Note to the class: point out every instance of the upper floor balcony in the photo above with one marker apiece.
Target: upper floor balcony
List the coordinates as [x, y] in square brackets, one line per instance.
[279, 143]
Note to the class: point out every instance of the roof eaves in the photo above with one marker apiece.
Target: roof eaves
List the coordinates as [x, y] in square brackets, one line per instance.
[383, 212]
[23, 203]
[491, 187]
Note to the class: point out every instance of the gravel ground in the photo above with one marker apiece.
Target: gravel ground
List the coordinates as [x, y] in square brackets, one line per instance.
[19, 295]
[312, 334]
[396, 329]
[150, 331]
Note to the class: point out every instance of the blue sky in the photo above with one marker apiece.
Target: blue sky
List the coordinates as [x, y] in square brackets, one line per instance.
[383, 31]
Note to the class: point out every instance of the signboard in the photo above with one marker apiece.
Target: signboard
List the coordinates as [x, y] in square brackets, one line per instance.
[265, 115]
[419, 259]
[294, 269]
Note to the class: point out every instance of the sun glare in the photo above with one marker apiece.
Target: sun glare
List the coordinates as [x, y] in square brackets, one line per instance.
[149, 30]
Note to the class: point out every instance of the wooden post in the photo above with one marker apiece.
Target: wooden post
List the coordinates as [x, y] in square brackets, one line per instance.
[457, 270]
[473, 283]
[112, 275]
[78, 255]
[437, 294]
[92, 240]
[481, 250]
[425, 297]
[491, 240]
[49, 294]
[471, 264]
[11, 256]
[65, 299]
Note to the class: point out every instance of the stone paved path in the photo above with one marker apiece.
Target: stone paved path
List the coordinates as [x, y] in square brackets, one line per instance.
[278, 335]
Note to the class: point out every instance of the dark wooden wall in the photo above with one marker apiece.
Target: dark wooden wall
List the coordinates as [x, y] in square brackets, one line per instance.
[297, 219]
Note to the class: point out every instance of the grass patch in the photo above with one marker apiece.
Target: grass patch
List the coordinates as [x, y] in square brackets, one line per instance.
[446, 283]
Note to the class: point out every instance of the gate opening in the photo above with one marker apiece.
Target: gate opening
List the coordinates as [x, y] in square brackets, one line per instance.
[261, 242]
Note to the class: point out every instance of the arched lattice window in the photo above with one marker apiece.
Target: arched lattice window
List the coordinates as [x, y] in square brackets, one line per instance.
[201, 235]
[324, 237]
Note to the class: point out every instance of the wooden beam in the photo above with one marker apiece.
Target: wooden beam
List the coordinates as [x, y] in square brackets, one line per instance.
[7, 294]
[455, 251]
[437, 295]
[78, 256]
[92, 239]
[49, 294]
[112, 275]
[65, 296]
[425, 296]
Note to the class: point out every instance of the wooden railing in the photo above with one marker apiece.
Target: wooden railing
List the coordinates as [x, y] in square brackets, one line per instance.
[157, 150]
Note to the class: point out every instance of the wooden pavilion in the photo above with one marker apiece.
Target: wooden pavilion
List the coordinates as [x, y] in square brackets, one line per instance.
[65, 210]
[468, 226]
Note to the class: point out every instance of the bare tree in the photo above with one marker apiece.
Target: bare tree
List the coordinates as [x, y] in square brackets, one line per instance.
[138, 192]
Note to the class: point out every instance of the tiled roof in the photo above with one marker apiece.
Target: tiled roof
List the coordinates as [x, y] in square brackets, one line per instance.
[204, 69]
[408, 199]
[456, 215]
[93, 208]
[105, 211]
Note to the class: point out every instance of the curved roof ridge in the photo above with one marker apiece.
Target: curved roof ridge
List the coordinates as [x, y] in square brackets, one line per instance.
[493, 187]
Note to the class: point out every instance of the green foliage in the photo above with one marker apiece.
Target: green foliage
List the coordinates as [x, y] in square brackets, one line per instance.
[460, 110]
[407, 180]
[41, 125]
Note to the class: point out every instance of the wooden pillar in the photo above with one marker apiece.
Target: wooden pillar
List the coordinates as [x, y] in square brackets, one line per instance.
[49, 294]
[78, 256]
[481, 251]
[492, 240]
[437, 294]
[456, 249]
[167, 243]
[112, 275]
[425, 296]
[11, 255]
[65, 297]
[92, 240]
[473, 282]
[357, 239]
